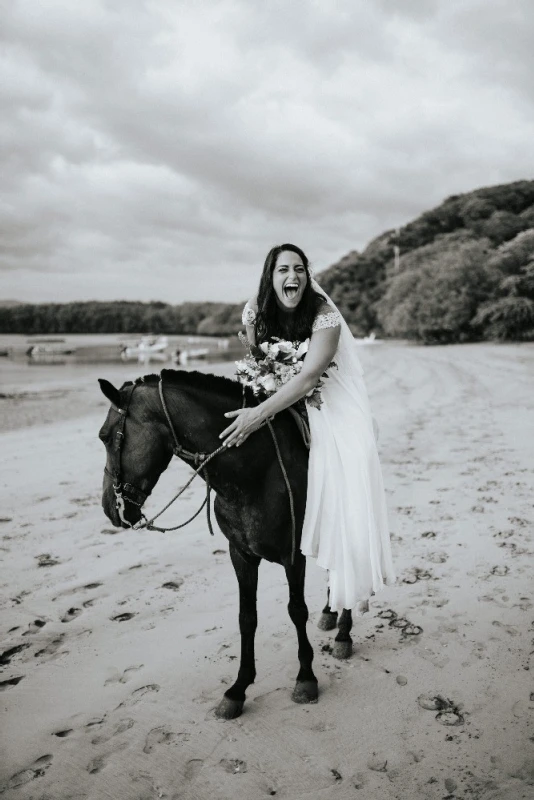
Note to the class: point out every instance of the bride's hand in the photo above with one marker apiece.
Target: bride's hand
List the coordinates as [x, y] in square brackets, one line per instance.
[246, 421]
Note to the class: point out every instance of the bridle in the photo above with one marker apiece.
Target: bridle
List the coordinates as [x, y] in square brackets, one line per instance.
[126, 492]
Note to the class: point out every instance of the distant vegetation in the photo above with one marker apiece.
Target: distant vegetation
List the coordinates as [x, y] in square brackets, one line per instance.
[122, 317]
[465, 273]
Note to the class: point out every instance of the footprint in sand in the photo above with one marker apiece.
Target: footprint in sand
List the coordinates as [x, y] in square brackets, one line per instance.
[46, 560]
[511, 630]
[123, 617]
[121, 726]
[500, 570]
[10, 682]
[34, 626]
[173, 585]
[125, 677]
[52, 647]
[7, 655]
[163, 736]
[63, 734]
[97, 764]
[71, 614]
[138, 695]
[36, 770]
[429, 535]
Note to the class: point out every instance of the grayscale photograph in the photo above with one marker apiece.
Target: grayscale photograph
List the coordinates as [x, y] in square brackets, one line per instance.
[266, 399]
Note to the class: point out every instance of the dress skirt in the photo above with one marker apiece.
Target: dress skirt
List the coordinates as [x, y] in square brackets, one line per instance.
[345, 525]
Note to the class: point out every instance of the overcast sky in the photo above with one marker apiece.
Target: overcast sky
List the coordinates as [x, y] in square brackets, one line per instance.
[156, 149]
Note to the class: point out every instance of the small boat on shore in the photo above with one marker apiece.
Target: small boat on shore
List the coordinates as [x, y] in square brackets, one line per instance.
[149, 348]
[43, 348]
[371, 339]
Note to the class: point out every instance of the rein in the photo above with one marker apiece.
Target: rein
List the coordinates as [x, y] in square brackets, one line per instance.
[137, 497]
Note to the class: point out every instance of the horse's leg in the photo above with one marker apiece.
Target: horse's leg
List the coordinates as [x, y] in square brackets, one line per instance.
[328, 618]
[343, 642]
[246, 569]
[305, 690]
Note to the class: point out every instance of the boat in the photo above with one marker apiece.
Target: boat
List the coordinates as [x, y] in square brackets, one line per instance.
[43, 348]
[371, 339]
[149, 348]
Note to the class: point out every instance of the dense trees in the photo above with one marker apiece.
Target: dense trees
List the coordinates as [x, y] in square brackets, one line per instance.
[121, 317]
[466, 272]
[452, 283]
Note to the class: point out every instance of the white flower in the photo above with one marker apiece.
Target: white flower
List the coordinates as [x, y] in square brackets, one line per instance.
[285, 347]
[264, 346]
[303, 348]
[268, 382]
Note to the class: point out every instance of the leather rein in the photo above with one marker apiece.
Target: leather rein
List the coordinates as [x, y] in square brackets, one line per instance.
[127, 492]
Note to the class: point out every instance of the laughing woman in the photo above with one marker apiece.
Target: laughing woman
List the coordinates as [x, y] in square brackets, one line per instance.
[345, 525]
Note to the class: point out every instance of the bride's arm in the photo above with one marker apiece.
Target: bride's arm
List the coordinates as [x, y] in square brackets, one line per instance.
[323, 345]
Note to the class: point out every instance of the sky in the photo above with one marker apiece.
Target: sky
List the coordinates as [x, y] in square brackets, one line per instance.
[157, 149]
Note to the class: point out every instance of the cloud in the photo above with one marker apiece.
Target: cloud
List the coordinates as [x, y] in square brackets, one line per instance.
[158, 150]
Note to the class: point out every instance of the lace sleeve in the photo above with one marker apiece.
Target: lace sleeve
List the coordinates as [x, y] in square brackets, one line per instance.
[330, 320]
[249, 315]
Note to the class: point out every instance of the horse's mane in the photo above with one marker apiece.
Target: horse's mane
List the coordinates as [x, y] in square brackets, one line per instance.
[204, 381]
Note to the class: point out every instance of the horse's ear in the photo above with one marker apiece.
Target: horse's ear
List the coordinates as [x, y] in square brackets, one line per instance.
[109, 391]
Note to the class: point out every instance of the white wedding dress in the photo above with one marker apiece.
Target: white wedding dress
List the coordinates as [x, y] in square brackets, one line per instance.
[345, 524]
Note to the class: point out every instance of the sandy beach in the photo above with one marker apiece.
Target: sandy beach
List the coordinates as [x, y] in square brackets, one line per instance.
[117, 645]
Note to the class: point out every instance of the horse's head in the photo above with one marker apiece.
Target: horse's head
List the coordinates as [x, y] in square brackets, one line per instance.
[138, 450]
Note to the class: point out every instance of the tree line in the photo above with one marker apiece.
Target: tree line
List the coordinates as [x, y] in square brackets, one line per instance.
[215, 319]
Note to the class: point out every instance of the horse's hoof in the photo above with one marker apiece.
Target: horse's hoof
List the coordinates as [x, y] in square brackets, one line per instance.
[229, 709]
[305, 692]
[327, 622]
[342, 650]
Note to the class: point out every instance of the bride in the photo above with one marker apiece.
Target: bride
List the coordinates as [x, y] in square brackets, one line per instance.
[345, 525]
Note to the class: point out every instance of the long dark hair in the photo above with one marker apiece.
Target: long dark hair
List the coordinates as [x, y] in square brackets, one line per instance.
[270, 319]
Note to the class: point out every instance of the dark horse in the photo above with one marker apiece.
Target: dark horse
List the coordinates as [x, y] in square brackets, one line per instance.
[252, 502]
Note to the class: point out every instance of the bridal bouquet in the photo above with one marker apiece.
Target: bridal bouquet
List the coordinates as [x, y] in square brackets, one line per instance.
[268, 367]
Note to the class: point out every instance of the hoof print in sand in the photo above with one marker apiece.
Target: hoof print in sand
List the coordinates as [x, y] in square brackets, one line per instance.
[37, 770]
[406, 627]
[163, 736]
[428, 535]
[448, 711]
[46, 560]
[10, 682]
[71, 614]
[437, 557]
[233, 765]
[500, 570]
[416, 574]
[173, 585]
[123, 617]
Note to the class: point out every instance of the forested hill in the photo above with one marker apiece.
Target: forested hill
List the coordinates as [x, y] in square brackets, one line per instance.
[465, 272]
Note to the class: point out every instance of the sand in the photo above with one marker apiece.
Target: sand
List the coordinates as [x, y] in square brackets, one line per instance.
[118, 645]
